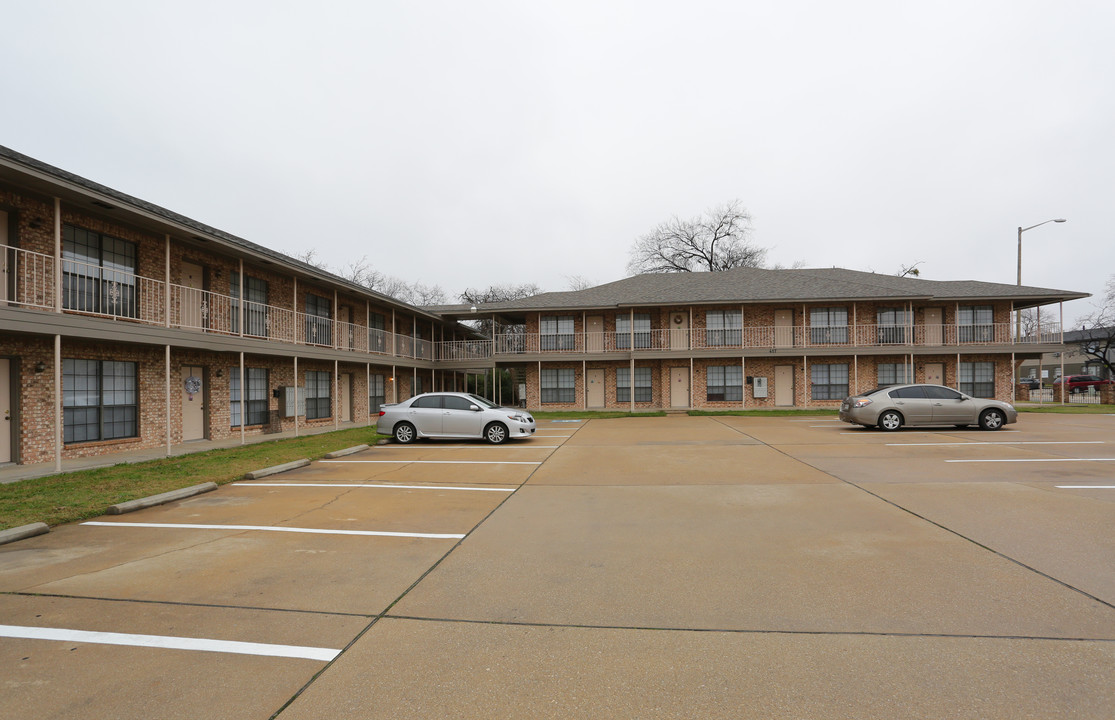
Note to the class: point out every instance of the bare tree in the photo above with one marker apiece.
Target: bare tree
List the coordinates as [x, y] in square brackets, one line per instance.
[578, 282]
[1098, 330]
[310, 258]
[717, 241]
[492, 294]
[910, 270]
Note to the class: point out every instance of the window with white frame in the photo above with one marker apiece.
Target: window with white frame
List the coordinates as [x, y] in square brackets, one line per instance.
[723, 328]
[891, 324]
[828, 326]
[100, 400]
[976, 323]
[829, 381]
[977, 379]
[558, 385]
[643, 387]
[625, 330]
[319, 398]
[894, 374]
[557, 332]
[256, 394]
[724, 383]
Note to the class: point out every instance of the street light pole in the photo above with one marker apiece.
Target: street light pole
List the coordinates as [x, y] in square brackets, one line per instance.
[1018, 314]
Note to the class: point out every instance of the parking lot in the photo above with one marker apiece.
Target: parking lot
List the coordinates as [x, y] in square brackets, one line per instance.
[673, 567]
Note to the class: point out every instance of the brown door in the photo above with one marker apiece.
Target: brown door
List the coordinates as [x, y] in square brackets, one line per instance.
[6, 423]
[193, 296]
[679, 387]
[594, 334]
[595, 379]
[679, 331]
[934, 332]
[784, 385]
[192, 384]
[935, 373]
[784, 328]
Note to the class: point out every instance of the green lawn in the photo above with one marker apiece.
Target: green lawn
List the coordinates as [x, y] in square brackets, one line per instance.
[58, 499]
[1068, 409]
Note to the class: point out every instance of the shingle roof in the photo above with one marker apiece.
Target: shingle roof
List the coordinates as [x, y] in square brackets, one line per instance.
[760, 285]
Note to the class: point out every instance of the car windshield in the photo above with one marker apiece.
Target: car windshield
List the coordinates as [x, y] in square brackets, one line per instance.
[482, 402]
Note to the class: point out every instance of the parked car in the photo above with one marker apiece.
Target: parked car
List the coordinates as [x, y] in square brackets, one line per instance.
[889, 408]
[1032, 383]
[1081, 383]
[452, 415]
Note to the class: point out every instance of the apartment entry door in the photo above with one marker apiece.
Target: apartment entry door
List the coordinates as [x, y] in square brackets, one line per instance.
[935, 373]
[933, 327]
[594, 337]
[7, 423]
[679, 331]
[679, 387]
[192, 384]
[784, 328]
[595, 379]
[784, 385]
[193, 295]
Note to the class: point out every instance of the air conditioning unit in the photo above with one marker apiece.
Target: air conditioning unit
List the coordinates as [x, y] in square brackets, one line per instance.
[287, 402]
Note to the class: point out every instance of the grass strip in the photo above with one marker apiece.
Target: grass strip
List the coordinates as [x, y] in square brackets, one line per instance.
[1067, 409]
[69, 497]
[782, 412]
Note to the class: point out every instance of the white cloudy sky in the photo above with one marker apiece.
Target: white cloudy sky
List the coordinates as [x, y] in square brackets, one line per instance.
[481, 142]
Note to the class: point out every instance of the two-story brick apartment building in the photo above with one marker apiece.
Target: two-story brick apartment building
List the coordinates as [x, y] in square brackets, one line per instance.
[124, 325]
[756, 338]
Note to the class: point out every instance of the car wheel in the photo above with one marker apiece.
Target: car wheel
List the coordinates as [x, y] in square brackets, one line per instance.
[991, 419]
[495, 433]
[405, 433]
[890, 421]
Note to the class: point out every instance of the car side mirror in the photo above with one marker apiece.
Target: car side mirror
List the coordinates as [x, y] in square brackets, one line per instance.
[473, 408]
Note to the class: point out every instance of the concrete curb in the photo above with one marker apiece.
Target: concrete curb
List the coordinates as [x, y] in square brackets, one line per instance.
[276, 469]
[23, 531]
[161, 498]
[346, 451]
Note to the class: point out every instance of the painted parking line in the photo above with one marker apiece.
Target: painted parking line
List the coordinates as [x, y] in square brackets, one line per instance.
[433, 462]
[1046, 460]
[1005, 442]
[266, 528]
[1086, 487]
[168, 642]
[372, 485]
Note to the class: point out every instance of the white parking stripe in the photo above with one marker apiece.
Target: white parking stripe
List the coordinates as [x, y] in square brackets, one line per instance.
[435, 462]
[1087, 487]
[1021, 460]
[369, 485]
[169, 642]
[1008, 442]
[266, 528]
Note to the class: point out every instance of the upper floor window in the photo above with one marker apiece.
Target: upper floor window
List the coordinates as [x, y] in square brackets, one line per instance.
[319, 323]
[892, 324]
[626, 331]
[828, 326]
[724, 327]
[556, 332]
[377, 332]
[976, 323]
[255, 306]
[98, 273]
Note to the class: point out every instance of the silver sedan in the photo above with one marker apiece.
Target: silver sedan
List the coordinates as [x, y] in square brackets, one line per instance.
[889, 408]
[453, 415]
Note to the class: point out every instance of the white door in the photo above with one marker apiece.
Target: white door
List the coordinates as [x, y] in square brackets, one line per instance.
[193, 295]
[6, 410]
[784, 385]
[783, 328]
[4, 278]
[935, 373]
[933, 327]
[345, 391]
[679, 387]
[594, 335]
[192, 384]
[595, 379]
[679, 331]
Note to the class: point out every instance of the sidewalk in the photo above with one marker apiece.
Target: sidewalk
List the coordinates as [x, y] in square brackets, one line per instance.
[14, 473]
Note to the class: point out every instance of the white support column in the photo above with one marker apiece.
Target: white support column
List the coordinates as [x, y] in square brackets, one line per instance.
[294, 302]
[368, 389]
[244, 375]
[584, 383]
[742, 379]
[57, 403]
[296, 392]
[166, 296]
[1064, 385]
[240, 312]
[1016, 336]
[806, 386]
[336, 391]
[394, 375]
[168, 400]
[335, 321]
[631, 349]
[58, 261]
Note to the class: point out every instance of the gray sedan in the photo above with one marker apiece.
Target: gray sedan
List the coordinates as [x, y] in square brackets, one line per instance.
[889, 408]
[453, 415]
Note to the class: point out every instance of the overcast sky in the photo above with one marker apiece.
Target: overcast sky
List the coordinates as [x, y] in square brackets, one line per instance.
[475, 143]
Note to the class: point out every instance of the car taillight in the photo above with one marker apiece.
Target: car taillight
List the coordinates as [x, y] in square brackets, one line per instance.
[382, 413]
[861, 402]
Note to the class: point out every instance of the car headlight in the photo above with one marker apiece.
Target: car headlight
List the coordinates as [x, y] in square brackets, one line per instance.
[519, 418]
[861, 402]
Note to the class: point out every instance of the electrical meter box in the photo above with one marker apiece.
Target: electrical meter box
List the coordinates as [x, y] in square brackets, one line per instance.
[287, 402]
[759, 387]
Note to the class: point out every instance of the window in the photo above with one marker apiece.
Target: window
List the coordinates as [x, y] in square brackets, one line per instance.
[319, 324]
[99, 400]
[98, 273]
[724, 383]
[624, 331]
[977, 379]
[916, 392]
[893, 374]
[377, 394]
[255, 306]
[557, 332]
[976, 323]
[558, 385]
[318, 397]
[941, 393]
[723, 327]
[828, 326]
[377, 333]
[892, 325]
[642, 385]
[830, 382]
[456, 402]
[256, 394]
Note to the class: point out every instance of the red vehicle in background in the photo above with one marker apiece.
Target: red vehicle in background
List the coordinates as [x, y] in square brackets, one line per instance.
[1082, 383]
